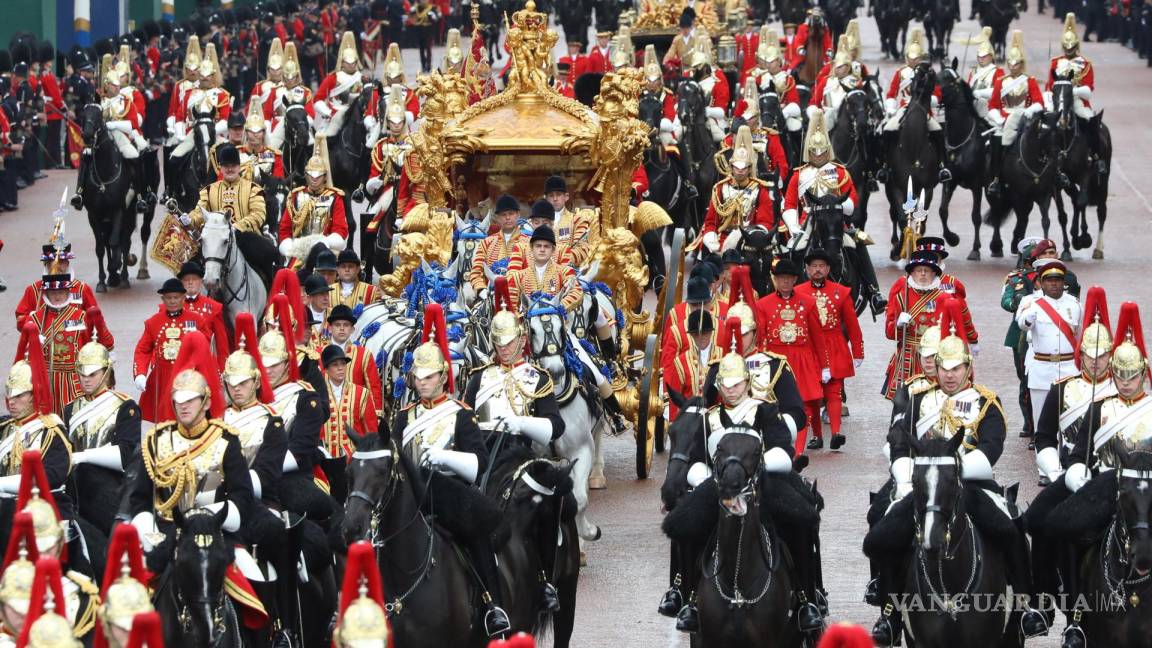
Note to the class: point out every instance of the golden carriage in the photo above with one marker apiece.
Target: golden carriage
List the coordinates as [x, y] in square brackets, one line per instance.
[510, 143]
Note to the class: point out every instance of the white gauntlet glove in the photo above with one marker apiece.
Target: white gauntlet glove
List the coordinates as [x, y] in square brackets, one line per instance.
[903, 320]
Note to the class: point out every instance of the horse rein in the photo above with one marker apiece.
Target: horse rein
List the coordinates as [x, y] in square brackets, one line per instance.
[240, 294]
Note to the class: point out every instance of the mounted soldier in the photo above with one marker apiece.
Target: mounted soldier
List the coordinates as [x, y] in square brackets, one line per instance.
[738, 201]
[955, 407]
[899, 96]
[441, 434]
[338, 90]
[1072, 65]
[292, 92]
[259, 163]
[313, 213]
[985, 73]
[765, 141]
[191, 66]
[388, 154]
[1015, 97]
[124, 593]
[31, 425]
[845, 75]
[799, 54]
[701, 67]
[207, 97]
[776, 78]
[274, 77]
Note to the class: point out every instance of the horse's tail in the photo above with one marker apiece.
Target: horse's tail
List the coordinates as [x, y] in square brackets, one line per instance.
[997, 214]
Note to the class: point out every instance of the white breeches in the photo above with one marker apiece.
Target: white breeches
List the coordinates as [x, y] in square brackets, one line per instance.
[276, 137]
[893, 122]
[716, 128]
[185, 146]
[127, 148]
[1011, 128]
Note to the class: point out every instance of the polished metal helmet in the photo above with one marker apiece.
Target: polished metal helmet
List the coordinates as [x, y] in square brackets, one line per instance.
[732, 370]
[188, 385]
[123, 600]
[1128, 361]
[19, 379]
[240, 367]
[505, 327]
[92, 358]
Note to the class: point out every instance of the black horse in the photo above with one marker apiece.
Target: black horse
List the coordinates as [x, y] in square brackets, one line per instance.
[939, 19]
[1081, 178]
[349, 158]
[107, 188]
[191, 600]
[297, 143]
[910, 156]
[892, 18]
[966, 156]
[608, 14]
[187, 174]
[998, 14]
[574, 16]
[1027, 176]
[686, 448]
[759, 246]
[667, 186]
[697, 149]
[838, 13]
[854, 145]
[772, 116]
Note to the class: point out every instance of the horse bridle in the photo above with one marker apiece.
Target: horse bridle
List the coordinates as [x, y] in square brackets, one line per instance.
[935, 508]
[694, 410]
[184, 615]
[103, 138]
[231, 295]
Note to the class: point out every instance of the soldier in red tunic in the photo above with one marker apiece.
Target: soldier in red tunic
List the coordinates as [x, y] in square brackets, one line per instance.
[738, 201]
[362, 367]
[910, 313]
[65, 327]
[57, 259]
[841, 329]
[700, 296]
[688, 369]
[211, 312]
[159, 345]
[350, 406]
[790, 326]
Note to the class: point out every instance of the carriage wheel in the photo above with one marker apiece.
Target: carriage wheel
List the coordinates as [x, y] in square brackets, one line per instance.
[672, 280]
[645, 419]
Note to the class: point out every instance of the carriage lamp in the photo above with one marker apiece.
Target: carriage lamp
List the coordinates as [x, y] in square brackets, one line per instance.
[736, 21]
[627, 18]
[726, 52]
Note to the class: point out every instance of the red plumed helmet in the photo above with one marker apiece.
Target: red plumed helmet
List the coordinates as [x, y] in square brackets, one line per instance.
[502, 298]
[95, 322]
[29, 349]
[436, 332]
[952, 319]
[729, 338]
[845, 635]
[1095, 329]
[361, 610]
[195, 355]
[47, 597]
[740, 288]
[146, 631]
[1096, 308]
[36, 491]
[124, 549]
[247, 340]
[288, 284]
[21, 540]
[279, 304]
[1128, 327]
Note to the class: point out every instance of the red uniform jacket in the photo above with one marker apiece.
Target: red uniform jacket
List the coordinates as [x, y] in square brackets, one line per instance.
[792, 328]
[411, 103]
[792, 196]
[894, 90]
[354, 408]
[597, 60]
[797, 55]
[777, 158]
[720, 91]
[493, 249]
[996, 102]
[761, 214]
[746, 46]
[685, 374]
[1087, 76]
[925, 308]
[675, 336]
[838, 322]
[62, 332]
[337, 221]
[156, 353]
[53, 99]
[822, 87]
[79, 292]
[211, 314]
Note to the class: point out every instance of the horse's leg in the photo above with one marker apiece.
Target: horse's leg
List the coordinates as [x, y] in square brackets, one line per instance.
[977, 196]
[596, 480]
[564, 621]
[100, 249]
[952, 238]
[1101, 216]
[367, 247]
[897, 238]
[1062, 218]
[145, 236]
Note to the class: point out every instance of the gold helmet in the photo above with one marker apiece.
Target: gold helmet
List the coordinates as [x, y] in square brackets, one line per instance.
[20, 565]
[212, 72]
[393, 65]
[291, 63]
[816, 142]
[433, 355]
[1128, 357]
[192, 56]
[701, 51]
[853, 33]
[255, 120]
[92, 358]
[1095, 334]
[45, 522]
[505, 323]
[1096, 340]
[453, 49]
[743, 154]
[124, 61]
[930, 342]
[622, 55]
[108, 72]
[19, 379]
[273, 347]
[275, 56]
[652, 69]
[1069, 41]
[188, 385]
[348, 53]
[732, 371]
[1015, 54]
[362, 624]
[317, 165]
[985, 48]
[743, 312]
[915, 50]
[397, 110]
[50, 630]
[122, 601]
[240, 367]
[953, 350]
[751, 101]
[769, 48]
[843, 52]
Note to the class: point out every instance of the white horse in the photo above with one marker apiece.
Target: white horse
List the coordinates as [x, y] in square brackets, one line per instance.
[228, 277]
[470, 233]
[549, 341]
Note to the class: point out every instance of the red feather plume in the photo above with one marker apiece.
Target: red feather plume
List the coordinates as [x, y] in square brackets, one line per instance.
[740, 286]
[246, 339]
[31, 351]
[284, 319]
[146, 631]
[730, 339]
[47, 583]
[1128, 327]
[1095, 310]
[502, 296]
[23, 536]
[288, 284]
[435, 330]
[194, 354]
[361, 565]
[125, 545]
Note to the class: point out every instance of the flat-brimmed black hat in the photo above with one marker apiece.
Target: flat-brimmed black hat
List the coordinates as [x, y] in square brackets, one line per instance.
[507, 203]
[341, 313]
[785, 267]
[190, 268]
[698, 291]
[543, 233]
[172, 285]
[543, 209]
[331, 354]
[315, 285]
[555, 183]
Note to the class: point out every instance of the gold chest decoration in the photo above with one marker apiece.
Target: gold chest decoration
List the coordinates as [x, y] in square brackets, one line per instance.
[504, 393]
[32, 434]
[250, 424]
[735, 204]
[820, 181]
[763, 378]
[823, 309]
[170, 347]
[181, 468]
[430, 427]
[311, 213]
[1134, 436]
[942, 416]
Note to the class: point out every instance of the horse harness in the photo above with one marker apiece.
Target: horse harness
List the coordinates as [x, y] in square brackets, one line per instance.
[239, 294]
[924, 575]
[1118, 540]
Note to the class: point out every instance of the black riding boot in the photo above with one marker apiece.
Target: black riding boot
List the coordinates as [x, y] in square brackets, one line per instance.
[995, 155]
[672, 600]
[885, 145]
[496, 622]
[690, 190]
[868, 281]
[549, 597]
[1032, 621]
[937, 138]
[888, 629]
[1092, 128]
[77, 200]
[804, 560]
[1070, 573]
[688, 620]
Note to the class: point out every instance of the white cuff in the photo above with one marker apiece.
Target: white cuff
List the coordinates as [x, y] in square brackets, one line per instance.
[975, 466]
[464, 464]
[791, 110]
[1082, 92]
[1076, 476]
[890, 105]
[257, 489]
[121, 125]
[902, 470]
[10, 484]
[777, 460]
[286, 246]
[982, 93]
[712, 241]
[848, 206]
[1048, 461]
[221, 127]
[537, 428]
[792, 221]
[666, 125]
[790, 423]
[812, 110]
[713, 112]
[145, 524]
[105, 456]
[231, 518]
[698, 474]
[335, 242]
[322, 109]
[373, 185]
[290, 464]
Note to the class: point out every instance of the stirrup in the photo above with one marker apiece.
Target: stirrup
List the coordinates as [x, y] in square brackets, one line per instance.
[1074, 637]
[1037, 621]
[496, 622]
[945, 175]
[550, 597]
[872, 592]
[688, 619]
[808, 618]
[671, 603]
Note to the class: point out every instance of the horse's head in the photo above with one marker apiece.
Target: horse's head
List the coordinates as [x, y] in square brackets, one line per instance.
[91, 123]
[1063, 103]
[938, 493]
[199, 562]
[857, 110]
[651, 109]
[469, 233]
[547, 336]
[687, 446]
[215, 246]
[690, 102]
[737, 459]
[923, 84]
[372, 476]
[534, 488]
[1134, 509]
[771, 112]
[296, 129]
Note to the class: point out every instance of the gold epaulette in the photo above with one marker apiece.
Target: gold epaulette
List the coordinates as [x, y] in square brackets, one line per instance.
[338, 192]
[479, 368]
[308, 351]
[85, 619]
[306, 385]
[86, 585]
[121, 395]
[1065, 379]
[51, 421]
[275, 151]
[228, 429]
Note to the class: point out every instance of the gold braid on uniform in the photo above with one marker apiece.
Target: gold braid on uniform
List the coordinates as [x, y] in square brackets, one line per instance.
[727, 211]
[177, 471]
[510, 384]
[86, 620]
[951, 422]
[51, 432]
[300, 217]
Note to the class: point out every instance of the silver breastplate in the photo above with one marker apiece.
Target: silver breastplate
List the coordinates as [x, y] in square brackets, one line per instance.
[249, 424]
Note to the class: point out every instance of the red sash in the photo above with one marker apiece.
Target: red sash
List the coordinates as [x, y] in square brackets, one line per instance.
[1059, 321]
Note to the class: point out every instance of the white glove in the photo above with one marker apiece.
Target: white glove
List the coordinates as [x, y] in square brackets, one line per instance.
[322, 109]
[231, 518]
[185, 220]
[1033, 109]
[713, 112]
[975, 347]
[902, 476]
[181, 130]
[791, 110]
[996, 117]
[712, 241]
[464, 464]
[122, 125]
[286, 246]
[369, 122]
[975, 466]
[777, 460]
[537, 428]
[1076, 476]
[733, 239]
[10, 484]
[105, 456]
[1048, 462]
[698, 474]
[982, 93]
[170, 124]
[221, 127]
[791, 221]
[335, 242]
[902, 490]
[482, 295]
[825, 375]
[666, 125]
[141, 382]
[903, 320]
[1082, 92]
[890, 106]
[848, 207]
[373, 185]
[856, 362]
[145, 524]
